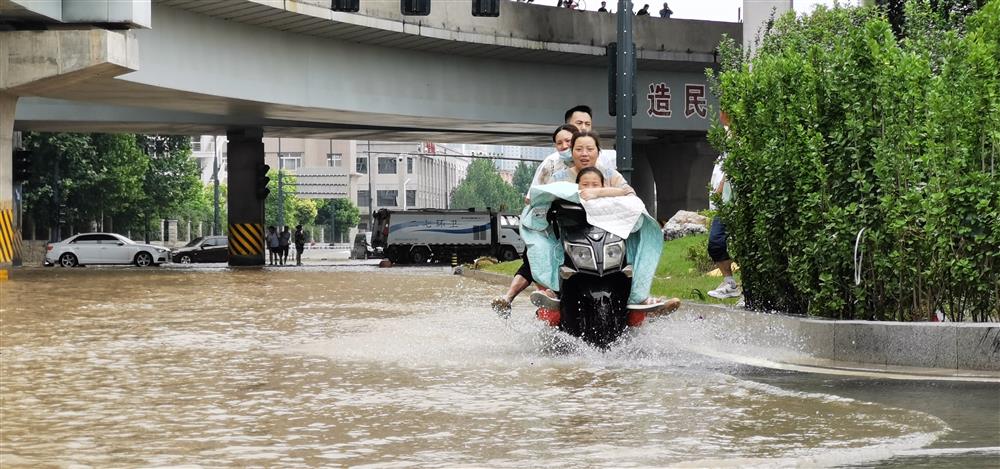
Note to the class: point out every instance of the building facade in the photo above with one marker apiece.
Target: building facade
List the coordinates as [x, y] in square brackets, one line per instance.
[372, 174]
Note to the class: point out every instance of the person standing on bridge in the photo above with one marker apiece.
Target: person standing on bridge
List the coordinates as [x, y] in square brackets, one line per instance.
[300, 244]
[666, 11]
[283, 242]
[603, 8]
[644, 11]
[272, 243]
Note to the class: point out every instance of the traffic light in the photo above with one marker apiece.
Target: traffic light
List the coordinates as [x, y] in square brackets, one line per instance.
[22, 165]
[350, 6]
[614, 76]
[262, 181]
[486, 8]
[415, 7]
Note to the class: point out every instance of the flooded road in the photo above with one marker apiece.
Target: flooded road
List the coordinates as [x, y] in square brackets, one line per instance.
[355, 366]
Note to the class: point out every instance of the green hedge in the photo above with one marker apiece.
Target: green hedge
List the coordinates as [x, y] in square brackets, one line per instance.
[837, 126]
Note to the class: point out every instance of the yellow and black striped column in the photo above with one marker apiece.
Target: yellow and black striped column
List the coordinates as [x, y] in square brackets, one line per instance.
[246, 243]
[10, 241]
[246, 211]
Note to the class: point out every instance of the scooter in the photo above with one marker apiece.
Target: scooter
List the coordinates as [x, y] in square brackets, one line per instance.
[594, 280]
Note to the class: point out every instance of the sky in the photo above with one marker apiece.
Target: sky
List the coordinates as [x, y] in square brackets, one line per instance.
[714, 10]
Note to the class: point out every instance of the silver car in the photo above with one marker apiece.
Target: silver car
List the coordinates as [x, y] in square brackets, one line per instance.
[103, 248]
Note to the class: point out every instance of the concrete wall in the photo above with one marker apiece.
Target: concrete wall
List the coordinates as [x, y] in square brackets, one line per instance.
[886, 346]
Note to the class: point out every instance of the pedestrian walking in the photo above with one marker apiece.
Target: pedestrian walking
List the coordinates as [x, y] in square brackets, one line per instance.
[272, 243]
[300, 244]
[283, 242]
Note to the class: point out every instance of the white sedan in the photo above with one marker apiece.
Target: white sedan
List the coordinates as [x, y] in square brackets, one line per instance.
[103, 248]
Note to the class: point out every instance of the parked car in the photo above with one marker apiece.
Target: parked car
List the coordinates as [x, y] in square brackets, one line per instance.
[103, 248]
[202, 249]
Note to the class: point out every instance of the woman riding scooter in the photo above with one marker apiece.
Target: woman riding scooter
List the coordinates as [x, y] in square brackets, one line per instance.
[586, 147]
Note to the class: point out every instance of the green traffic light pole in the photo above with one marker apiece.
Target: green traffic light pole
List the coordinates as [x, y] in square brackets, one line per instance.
[623, 89]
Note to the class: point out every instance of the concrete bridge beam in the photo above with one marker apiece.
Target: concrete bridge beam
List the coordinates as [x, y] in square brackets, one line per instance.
[246, 211]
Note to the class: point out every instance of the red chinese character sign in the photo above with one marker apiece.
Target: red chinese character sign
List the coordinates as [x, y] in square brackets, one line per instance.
[694, 101]
[659, 100]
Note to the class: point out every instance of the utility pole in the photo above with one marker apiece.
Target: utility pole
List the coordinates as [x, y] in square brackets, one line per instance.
[215, 177]
[281, 194]
[371, 196]
[623, 89]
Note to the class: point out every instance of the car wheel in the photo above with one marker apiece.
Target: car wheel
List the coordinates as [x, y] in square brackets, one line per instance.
[143, 259]
[68, 260]
[185, 259]
[508, 254]
[419, 255]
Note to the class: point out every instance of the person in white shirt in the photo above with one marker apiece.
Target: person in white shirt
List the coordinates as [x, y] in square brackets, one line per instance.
[580, 118]
[717, 245]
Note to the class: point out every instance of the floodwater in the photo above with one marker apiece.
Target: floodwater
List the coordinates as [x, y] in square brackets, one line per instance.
[407, 367]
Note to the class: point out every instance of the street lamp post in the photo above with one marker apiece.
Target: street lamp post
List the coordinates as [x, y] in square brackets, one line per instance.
[215, 177]
[405, 183]
[281, 195]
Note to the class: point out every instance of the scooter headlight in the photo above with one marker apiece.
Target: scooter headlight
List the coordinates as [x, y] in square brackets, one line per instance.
[614, 254]
[583, 256]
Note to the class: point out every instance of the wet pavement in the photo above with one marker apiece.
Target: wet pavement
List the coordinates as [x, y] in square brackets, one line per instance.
[351, 365]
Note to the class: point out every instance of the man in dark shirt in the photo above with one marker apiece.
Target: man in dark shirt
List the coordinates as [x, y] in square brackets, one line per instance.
[644, 11]
[603, 8]
[300, 244]
[666, 11]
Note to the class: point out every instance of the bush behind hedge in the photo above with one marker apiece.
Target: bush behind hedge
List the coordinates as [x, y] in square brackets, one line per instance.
[837, 126]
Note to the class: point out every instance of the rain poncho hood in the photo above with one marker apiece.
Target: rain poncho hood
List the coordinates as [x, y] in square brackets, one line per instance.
[545, 253]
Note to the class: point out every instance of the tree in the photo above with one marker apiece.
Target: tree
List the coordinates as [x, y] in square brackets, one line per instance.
[484, 188]
[846, 141]
[172, 177]
[523, 176]
[288, 182]
[88, 178]
[344, 213]
[303, 211]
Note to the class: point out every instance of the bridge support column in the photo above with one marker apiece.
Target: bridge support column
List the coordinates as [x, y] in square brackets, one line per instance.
[246, 211]
[10, 220]
[681, 171]
[643, 180]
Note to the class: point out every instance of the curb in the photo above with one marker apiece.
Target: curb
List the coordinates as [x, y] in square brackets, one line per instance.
[920, 348]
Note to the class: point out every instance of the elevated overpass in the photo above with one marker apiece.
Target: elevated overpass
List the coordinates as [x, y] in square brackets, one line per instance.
[295, 68]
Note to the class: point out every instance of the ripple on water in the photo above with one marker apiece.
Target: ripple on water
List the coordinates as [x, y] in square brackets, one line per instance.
[388, 369]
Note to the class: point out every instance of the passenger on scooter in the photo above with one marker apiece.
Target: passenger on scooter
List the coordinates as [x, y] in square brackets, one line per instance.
[596, 183]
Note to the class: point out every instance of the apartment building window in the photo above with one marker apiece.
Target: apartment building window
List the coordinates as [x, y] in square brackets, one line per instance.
[386, 165]
[364, 199]
[361, 165]
[290, 161]
[387, 198]
[195, 143]
[409, 165]
[363, 225]
[411, 198]
[333, 160]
